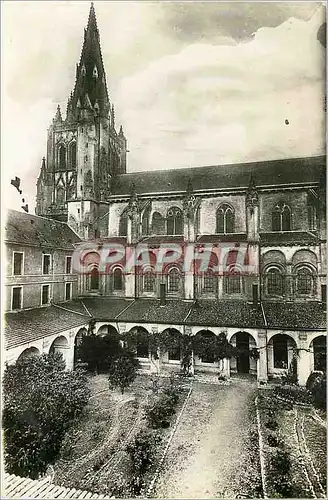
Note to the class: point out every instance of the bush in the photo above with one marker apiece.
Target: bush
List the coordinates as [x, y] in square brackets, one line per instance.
[279, 473]
[123, 370]
[319, 392]
[163, 407]
[140, 451]
[312, 379]
[293, 393]
[41, 399]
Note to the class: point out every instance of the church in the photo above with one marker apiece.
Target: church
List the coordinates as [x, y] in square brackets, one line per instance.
[275, 209]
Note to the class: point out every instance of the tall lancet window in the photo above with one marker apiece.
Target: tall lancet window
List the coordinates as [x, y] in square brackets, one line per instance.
[62, 157]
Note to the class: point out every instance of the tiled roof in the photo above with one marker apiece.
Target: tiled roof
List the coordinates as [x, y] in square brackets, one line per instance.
[33, 324]
[225, 313]
[28, 229]
[277, 172]
[295, 316]
[106, 308]
[288, 238]
[150, 310]
[23, 487]
[214, 238]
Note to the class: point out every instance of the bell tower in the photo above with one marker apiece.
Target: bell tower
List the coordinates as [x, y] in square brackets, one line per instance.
[84, 150]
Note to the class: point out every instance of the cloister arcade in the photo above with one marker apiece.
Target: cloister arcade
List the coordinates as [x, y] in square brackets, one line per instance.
[275, 349]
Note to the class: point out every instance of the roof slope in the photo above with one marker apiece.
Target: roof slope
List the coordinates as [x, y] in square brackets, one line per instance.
[28, 229]
[23, 487]
[277, 172]
[225, 313]
[295, 316]
[34, 324]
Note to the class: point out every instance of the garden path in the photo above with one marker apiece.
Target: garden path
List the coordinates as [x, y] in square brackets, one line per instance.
[208, 456]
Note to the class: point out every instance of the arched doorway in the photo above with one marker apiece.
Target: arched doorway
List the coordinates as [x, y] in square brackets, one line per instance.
[60, 344]
[77, 342]
[172, 338]
[319, 349]
[282, 355]
[203, 351]
[243, 362]
[28, 353]
[139, 341]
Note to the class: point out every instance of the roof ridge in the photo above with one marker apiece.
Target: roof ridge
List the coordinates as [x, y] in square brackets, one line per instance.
[218, 165]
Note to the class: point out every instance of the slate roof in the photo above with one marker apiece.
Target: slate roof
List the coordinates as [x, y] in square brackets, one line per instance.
[23, 487]
[27, 229]
[106, 308]
[277, 172]
[295, 316]
[225, 313]
[288, 238]
[33, 324]
[150, 310]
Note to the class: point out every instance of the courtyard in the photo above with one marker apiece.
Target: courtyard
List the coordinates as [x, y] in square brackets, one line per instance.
[210, 449]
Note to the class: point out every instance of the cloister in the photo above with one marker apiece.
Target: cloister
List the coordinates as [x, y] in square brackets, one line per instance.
[276, 349]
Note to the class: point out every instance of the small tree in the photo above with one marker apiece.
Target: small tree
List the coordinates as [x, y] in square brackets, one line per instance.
[41, 399]
[123, 370]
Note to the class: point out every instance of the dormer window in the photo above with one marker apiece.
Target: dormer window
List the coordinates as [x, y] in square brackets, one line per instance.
[95, 72]
[83, 70]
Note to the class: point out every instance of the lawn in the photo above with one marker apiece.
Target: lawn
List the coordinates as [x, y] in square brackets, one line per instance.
[93, 454]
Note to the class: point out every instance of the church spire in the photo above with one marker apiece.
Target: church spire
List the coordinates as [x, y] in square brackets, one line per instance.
[90, 72]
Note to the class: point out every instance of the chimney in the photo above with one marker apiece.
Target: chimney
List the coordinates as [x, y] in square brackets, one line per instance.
[255, 292]
[324, 295]
[162, 294]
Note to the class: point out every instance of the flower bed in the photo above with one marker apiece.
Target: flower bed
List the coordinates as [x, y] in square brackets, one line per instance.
[284, 475]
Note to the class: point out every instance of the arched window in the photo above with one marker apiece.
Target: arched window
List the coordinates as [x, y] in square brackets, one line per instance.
[148, 282]
[123, 226]
[94, 279]
[174, 221]
[274, 282]
[117, 279]
[233, 282]
[174, 279]
[281, 217]
[72, 155]
[225, 219]
[158, 224]
[304, 281]
[145, 222]
[60, 196]
[62, 157]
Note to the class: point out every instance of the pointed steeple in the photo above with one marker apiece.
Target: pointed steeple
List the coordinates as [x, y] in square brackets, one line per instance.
[90, 72]
[58, 116]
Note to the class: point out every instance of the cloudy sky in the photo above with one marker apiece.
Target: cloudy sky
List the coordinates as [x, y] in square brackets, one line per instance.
[194, 83]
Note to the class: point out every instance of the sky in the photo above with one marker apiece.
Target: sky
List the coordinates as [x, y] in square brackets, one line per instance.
[193, 83]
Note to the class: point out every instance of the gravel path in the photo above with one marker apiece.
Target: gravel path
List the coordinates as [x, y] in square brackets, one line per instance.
[208, 457]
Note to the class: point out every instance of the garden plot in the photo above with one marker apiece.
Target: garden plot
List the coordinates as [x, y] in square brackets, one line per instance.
[294, 448]
[94, 455]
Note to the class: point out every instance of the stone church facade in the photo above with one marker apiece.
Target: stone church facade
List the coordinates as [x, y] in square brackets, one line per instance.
[275, 209]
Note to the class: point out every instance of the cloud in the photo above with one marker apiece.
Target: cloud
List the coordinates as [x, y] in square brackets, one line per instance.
[222, 103]
[186, 89]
